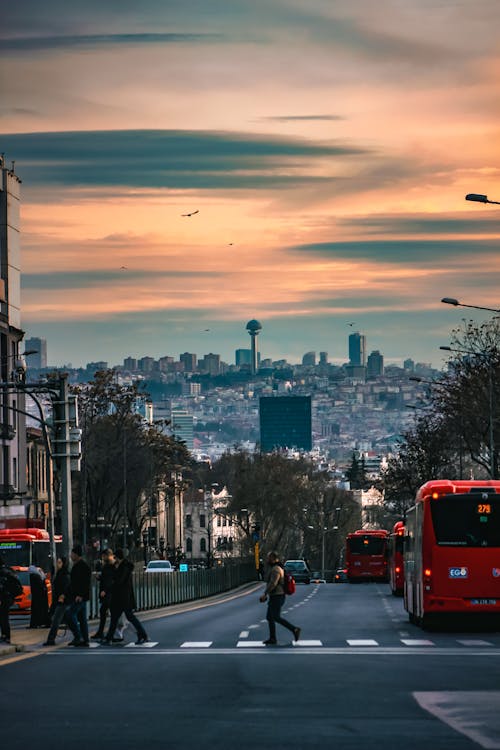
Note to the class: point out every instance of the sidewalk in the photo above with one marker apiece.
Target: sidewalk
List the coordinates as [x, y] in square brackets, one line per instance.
[32, 639]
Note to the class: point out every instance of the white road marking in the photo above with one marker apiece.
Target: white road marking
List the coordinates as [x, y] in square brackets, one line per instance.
[307, 643]
[476, 714]
[417, 642]
[244, 634]
[362, 642]
[94, 644]
[250, 644]
[473, 642]
[148, 644]
[324, 651]
[251, 627]
[196, 644]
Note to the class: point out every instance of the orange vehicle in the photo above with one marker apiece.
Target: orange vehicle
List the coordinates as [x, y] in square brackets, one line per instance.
[21, 548]
[396, 559]
[366, 555]
[452, 551]
[23, 602]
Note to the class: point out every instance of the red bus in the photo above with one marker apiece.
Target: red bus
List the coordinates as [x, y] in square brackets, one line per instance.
[366, 555]
[452, 551]
[396, 560]
[25, 547]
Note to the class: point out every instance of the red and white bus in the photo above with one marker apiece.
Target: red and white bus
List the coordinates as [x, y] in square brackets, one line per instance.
[396, 559]
[452, 551]
[366, 555]
[25, 547]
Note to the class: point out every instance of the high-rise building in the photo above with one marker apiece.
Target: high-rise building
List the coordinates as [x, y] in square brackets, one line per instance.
[182, 427]
[189, 360]
[285, 422]
[375, 365]
[309, 359]
[243, 357]
[210, 364]
[130, 363]
[146, 364]
[37, 360]
[13, 422]
[357, 349]
[409, 365]
[323, 358]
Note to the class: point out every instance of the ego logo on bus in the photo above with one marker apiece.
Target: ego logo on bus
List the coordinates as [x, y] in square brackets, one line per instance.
[458, 572]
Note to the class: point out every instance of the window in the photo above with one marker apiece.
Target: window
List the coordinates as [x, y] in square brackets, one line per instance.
[189, 543]
[203, 545]
[224, 523]
[219, 521]
[202, 520]
[466, 521]
[189, 521]
[230, 521]
[367, 545]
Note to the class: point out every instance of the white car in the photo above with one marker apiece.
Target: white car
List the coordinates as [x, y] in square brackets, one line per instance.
[159, 566]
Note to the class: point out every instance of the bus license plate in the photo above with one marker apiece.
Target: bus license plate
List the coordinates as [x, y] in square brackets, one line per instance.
[483, 601]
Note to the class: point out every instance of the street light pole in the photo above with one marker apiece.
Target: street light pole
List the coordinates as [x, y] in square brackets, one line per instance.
[456, 303]
[479, 198]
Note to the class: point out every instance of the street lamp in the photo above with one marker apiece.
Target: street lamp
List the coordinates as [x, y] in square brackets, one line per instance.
[479, 198]
[489, 364]
[456, 303]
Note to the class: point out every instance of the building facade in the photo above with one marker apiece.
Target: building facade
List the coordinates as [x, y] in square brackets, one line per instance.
[285, 422]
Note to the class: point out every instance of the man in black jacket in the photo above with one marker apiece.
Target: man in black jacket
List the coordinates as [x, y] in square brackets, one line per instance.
[123, 599]
[79, 595]
[10, 587]
[106, 577]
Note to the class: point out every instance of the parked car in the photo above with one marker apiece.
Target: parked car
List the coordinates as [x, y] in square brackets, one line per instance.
[341, 575]
[299, 570]
[159, 566]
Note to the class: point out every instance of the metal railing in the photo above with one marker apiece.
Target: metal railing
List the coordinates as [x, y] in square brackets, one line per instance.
[153, 590]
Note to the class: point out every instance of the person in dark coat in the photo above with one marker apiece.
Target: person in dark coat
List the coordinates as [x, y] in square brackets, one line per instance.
[123, 599]
[39, 599]
[106, 578]
[79, 594]
[60, 591]
[9, 583]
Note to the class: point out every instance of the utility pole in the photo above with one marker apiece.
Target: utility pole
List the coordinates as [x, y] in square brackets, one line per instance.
[62, 454]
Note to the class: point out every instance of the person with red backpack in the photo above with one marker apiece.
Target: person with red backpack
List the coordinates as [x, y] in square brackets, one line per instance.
[275, 594]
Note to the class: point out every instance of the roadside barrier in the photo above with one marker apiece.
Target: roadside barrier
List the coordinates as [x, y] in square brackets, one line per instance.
[154, 590]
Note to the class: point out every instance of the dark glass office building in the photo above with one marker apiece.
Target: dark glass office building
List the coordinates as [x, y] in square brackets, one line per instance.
[285, 422]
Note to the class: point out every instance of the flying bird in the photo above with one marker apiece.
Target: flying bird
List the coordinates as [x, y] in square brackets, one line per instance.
[192, 213]
[123, 268]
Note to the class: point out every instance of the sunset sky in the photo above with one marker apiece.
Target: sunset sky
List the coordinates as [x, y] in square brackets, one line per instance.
[327, 145]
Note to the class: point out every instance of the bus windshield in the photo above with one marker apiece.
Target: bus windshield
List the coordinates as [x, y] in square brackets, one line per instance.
[367, 545]
[16, 553]
[466, 520]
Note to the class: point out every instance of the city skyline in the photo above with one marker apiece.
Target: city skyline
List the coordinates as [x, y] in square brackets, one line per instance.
[185, 172]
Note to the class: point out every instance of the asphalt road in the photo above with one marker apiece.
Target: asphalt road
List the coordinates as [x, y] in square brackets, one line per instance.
[360, 678]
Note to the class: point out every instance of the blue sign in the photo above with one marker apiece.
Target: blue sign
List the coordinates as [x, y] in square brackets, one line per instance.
[458, 572]
[183, 568]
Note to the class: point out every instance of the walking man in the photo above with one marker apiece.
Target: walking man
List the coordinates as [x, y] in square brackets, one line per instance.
[275, 597]
[106, 577]
[10, 588]
[79, 595]
[60, 589]
[123, 599]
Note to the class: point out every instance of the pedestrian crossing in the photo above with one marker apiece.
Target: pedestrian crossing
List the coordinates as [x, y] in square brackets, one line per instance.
[349, 644]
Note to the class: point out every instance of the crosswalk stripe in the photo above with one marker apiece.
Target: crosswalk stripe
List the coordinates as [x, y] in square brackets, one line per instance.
[417, 642]
[362, 642]
[307, 643]
[250, 644]
[196, 644]
[148, 644]
[244, 634]
[473, 642]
